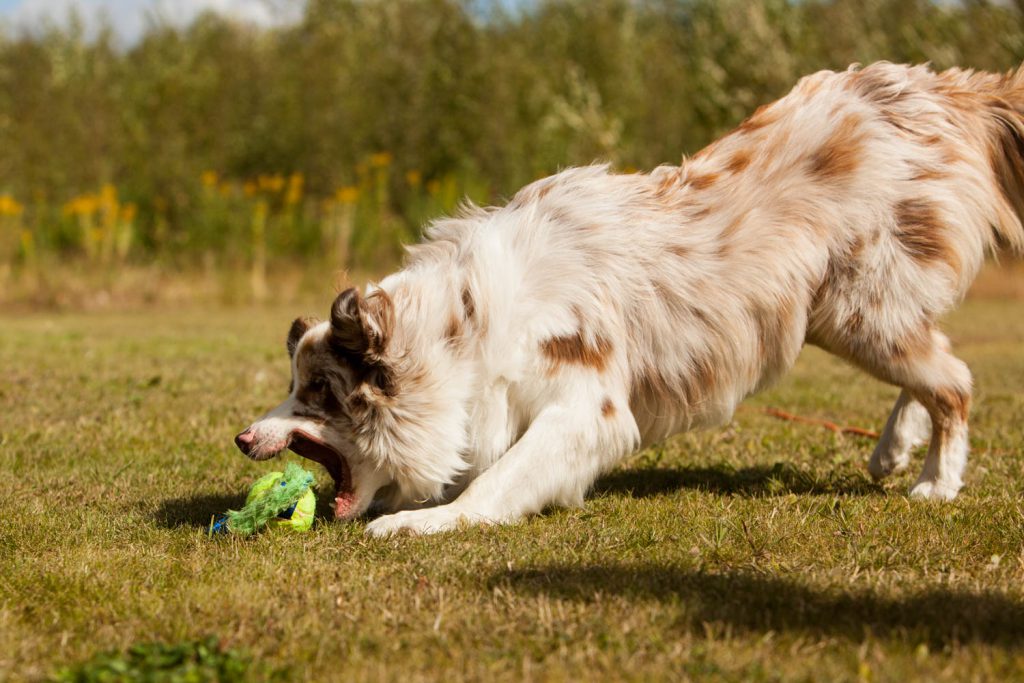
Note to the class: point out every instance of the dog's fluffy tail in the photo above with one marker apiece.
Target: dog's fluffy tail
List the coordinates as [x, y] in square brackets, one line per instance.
[1004, 106]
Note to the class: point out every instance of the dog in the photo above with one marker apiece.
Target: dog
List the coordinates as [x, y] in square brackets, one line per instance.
[526, 349]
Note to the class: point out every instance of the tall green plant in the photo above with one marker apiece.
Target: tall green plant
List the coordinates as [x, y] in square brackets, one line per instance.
[462, 96]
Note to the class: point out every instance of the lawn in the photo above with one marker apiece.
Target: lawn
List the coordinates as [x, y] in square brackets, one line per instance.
[758, 551]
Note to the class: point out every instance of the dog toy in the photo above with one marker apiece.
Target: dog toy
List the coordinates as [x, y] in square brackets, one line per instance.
[278, 500]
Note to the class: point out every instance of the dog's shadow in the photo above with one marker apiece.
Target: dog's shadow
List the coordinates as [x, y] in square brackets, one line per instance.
[780, 478]
[759, 480]
[195, 510]
[751, 602]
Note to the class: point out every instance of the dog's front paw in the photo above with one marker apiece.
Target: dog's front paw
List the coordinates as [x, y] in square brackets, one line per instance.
[429, 521]
[935, 490]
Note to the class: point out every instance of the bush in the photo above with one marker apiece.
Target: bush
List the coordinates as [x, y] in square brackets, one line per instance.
[337, 137]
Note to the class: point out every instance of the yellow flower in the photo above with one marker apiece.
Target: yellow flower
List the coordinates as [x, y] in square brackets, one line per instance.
[380, 159]
[9, 206]
[250, 188]
[209, 178]
[348, 194]
[414, 178]
[82, 205]
[434, 186]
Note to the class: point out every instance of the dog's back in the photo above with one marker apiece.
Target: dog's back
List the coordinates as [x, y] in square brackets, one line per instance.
[851, 213]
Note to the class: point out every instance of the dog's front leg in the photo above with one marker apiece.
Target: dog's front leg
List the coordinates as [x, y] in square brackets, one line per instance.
[554, 463]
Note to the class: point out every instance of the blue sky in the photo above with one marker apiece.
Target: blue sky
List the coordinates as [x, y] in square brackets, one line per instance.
[129, 17]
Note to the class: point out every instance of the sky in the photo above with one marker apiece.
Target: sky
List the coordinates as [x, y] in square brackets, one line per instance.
[129, 17]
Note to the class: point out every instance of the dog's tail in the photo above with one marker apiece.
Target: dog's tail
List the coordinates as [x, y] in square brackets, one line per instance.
[1003, 111]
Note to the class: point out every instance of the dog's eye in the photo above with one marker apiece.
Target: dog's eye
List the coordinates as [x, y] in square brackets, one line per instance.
[317, 385]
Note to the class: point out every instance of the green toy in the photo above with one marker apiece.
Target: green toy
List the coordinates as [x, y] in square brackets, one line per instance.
[283, 500]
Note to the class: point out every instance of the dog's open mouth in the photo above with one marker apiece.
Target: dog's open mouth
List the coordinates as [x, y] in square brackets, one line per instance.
[313, 449]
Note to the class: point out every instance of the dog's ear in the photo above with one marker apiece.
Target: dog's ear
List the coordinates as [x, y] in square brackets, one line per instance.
[362, 327]
[299, 327]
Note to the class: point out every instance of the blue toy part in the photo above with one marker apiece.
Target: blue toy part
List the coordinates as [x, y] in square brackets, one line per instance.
[218, 525]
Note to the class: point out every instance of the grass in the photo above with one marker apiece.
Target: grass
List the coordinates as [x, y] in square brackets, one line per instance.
[759, 551]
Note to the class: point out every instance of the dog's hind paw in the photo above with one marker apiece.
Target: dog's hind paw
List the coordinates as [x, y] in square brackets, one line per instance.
[422, 522]
[883, 463]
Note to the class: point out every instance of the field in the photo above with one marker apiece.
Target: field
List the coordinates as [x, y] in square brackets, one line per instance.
[759, 551]
[169, 205]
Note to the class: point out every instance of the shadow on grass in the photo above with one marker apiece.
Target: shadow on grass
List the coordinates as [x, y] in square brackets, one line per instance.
[759, 480]
[196, 510]
[756, 603]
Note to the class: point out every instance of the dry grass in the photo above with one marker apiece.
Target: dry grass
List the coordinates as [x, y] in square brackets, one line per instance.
[66, 285]
[760, 551]
[69, 285]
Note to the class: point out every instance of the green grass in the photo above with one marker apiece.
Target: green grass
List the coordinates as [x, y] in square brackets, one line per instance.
[759, 551]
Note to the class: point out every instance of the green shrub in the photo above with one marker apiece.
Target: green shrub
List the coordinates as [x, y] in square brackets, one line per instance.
[188, 662]
[390, 112]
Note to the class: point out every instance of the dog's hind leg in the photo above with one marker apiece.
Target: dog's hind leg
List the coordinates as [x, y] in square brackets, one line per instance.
[908, 427]
[922, 364]
[947, 396]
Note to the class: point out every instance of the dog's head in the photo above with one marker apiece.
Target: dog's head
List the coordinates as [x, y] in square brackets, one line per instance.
[365, 407]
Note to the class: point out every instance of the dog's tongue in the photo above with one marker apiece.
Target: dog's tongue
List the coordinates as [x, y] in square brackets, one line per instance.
[344, 501]
[344, 491]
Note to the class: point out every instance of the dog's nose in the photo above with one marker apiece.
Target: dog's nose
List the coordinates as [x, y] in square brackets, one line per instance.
[244, 441]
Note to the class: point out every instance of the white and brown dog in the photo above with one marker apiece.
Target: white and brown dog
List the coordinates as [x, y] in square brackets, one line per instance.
[526, 349]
